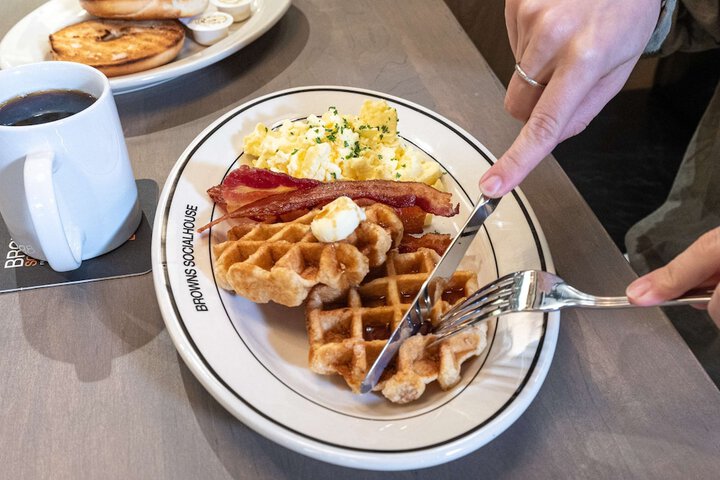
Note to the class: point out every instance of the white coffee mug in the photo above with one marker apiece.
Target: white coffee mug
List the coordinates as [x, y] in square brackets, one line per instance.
[67, 190]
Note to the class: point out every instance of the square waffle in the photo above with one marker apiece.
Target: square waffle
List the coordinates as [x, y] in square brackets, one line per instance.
[281, 262]
[348, 328]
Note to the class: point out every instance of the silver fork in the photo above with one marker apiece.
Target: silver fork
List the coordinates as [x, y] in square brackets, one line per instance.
[534, 291]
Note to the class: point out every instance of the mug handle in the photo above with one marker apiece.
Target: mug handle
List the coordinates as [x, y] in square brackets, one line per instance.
[43, 207]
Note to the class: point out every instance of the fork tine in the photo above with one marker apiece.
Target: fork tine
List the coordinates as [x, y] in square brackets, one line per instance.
[495, 307]
[477, 296]
[479, 302]
[446, 333]
[489, 301]
[501, 288]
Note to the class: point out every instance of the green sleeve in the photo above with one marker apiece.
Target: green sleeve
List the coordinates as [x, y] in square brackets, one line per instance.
[686, 25]
[662, 29]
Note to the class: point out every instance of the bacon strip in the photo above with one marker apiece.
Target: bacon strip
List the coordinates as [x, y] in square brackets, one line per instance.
[413, 219]
[262, 178]
[388, 192]
[261, 195]
[394, 194]
[246, 185]
[231, 199]
[436, 241]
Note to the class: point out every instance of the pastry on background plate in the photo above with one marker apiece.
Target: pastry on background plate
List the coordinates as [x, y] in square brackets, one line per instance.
[144, 9]
[118, 47]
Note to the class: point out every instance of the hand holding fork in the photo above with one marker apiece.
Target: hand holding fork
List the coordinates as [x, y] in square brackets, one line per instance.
[535, 291]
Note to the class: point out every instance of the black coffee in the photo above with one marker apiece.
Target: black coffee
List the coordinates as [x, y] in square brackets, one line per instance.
[43, 107]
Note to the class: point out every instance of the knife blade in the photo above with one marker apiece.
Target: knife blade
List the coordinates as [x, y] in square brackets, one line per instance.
[421, 305]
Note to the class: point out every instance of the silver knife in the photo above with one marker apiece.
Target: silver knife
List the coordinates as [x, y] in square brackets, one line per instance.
[421, 305]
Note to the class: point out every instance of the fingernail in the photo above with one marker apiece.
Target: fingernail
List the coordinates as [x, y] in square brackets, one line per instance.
[639, 288]
[491, 186]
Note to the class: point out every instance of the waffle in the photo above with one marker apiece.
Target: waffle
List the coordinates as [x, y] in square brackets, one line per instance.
[348, 329]
[281, 262]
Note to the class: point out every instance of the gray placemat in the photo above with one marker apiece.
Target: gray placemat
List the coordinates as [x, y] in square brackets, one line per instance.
[21, 272]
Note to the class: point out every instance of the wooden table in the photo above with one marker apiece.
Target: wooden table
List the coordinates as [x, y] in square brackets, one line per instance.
[92, 387]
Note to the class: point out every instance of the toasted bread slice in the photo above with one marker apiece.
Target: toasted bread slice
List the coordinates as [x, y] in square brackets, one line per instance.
[117, 47]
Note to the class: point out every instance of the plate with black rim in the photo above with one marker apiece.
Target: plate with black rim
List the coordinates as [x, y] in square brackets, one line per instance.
[253, 357]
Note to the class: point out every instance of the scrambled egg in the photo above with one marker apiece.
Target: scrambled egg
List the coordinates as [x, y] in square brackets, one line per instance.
[342, 147]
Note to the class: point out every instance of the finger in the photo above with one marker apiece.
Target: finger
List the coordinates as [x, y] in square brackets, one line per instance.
[713, 307]
[709, 284]
[691, 268]
[529, 23]
[606, 89]
[521, 98]
[511, 25]
[712, 281]
[543, 130]
[537, 47]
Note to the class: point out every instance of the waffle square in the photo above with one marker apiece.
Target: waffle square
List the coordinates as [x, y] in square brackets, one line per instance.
[281, 262]
[348, 328]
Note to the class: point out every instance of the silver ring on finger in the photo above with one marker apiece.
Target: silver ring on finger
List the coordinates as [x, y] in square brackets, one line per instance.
[527, 78]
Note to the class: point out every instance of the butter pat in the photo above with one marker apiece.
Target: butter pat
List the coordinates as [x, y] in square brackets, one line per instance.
[337, 220]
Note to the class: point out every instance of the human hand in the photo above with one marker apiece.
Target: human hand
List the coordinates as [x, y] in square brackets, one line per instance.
[698, 266]
[584, 52]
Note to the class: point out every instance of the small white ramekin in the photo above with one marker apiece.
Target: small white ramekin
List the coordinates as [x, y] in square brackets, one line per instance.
[209, 28]
[239, 9]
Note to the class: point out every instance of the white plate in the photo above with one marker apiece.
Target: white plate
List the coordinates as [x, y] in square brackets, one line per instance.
[27, 41]
[253, 358]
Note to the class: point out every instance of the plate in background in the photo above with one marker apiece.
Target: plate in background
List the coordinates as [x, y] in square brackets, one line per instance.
[27, 41]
